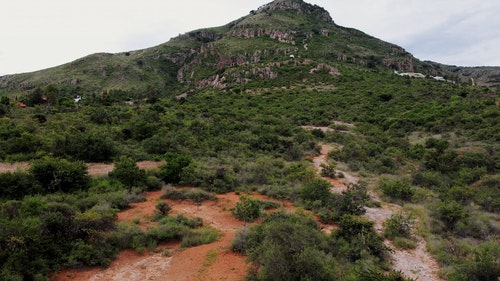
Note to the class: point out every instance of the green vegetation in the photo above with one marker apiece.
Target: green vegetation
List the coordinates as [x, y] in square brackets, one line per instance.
[247, 209]
[279, 250]
[223, 107]
[399, 228]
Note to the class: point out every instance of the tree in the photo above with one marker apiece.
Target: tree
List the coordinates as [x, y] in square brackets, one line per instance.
[127, 172]
[57, 174]
[91, 146]
[171, 171]
[398, 190]
[247, 209]
[316, 190]
[450, 212]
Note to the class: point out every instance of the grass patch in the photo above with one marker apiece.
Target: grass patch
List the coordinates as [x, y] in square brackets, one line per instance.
[200, 236]
[196, 195]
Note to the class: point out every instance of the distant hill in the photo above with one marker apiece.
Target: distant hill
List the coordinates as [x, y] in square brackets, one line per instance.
[278, 41]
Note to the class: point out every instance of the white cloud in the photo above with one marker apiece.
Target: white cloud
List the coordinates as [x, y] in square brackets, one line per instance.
[39, 34]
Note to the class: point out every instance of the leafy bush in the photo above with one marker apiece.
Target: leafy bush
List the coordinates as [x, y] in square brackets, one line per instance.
[483, 264]
[398, 190]
[56, 174]
[399, 225]
[328, 171]
[451, 212]
[278, 250]
[356, 239]
[16, 185]
[127, 172]
[163, 207]
[399, 228]
[247, 209]
[171, 172]
[316, 190]
[352, 200]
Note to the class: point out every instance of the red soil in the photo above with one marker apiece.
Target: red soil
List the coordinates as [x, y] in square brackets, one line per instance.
[213, 261]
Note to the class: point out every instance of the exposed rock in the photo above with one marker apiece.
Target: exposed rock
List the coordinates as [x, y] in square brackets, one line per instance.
[399, 64]
[298, 6]
[246, 31]
[323, 66]
[75, 81]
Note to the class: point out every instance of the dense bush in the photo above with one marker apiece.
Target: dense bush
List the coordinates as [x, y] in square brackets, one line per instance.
[127, 172]
[356, 239]
[59, 175]
[172, 171]
[17, 184]
[316, 190]
[247, 209]
[398, 190]
[278, 250]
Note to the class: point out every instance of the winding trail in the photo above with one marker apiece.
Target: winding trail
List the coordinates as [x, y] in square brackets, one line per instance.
[414, 263]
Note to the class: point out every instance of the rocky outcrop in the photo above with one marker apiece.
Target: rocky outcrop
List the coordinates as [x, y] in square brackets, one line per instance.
[323, 66]
[249, 31]
[405, 64]
[298, 6]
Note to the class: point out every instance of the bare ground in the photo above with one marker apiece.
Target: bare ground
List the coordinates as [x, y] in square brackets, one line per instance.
[94, 169]
[213, 261]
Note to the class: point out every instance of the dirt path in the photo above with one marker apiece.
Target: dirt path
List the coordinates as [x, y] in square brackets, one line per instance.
[94, 169]
[12, 167]
[338, 185]
[416, 263]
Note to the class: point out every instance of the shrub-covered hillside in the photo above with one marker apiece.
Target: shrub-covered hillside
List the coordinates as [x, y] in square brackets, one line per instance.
[225, 109]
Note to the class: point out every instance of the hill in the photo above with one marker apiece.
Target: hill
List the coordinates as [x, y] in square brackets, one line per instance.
[256, 47]
[281, 102]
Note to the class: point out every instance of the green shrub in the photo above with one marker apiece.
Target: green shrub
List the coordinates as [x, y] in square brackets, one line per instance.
[127, 172]
[247, 209]
[163, 207]
[357, 239]
[197, 195]
[16, 185]
[153, 183]
[399, 225]
[328, 171]
[200, 236]
[278, 250]
[482, 264]
[352, 200]
[172, 171]
[55, 174]
[451, 212]
[398, 190]
[316, 190]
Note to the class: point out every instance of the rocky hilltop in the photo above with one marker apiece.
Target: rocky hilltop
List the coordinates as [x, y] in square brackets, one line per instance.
[265, 44]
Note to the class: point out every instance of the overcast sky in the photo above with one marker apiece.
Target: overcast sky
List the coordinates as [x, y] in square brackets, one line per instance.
[37, 34]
